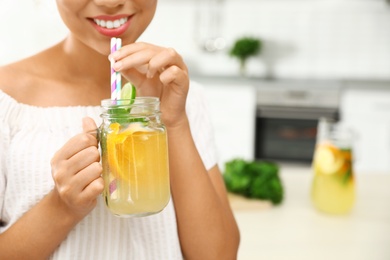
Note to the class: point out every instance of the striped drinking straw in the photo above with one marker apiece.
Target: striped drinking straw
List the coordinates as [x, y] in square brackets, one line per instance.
[116, 79]
[118, 75]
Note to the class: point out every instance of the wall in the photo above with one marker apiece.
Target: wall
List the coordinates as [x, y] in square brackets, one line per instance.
[28, 26]
[303, 38]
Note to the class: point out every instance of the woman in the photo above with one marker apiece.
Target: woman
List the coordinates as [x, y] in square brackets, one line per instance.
[50, 175]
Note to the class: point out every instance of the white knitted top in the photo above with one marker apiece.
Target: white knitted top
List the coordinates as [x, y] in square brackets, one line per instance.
[29, 137]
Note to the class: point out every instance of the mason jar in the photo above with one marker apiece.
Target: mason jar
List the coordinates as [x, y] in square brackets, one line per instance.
[134, 150]
[333, 187]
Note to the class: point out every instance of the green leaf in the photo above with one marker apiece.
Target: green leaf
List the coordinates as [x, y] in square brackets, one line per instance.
[256, 179]
[245, 47]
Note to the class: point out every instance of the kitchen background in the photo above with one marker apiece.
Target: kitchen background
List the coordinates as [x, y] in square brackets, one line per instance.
[306, 38]
[343, 42]
[318, 55]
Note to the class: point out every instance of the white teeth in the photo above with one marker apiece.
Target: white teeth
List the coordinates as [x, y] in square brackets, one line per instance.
[110, 24]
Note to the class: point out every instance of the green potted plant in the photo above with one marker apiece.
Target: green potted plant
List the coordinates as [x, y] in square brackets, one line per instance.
[244, 48]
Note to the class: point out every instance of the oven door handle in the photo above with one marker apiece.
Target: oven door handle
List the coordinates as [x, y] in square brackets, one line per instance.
[313, 113]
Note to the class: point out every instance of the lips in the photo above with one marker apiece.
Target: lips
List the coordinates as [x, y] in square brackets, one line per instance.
[112, 26]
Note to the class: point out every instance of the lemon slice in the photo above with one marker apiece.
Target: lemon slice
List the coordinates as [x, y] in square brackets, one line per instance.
[128, 91]
[328, 158]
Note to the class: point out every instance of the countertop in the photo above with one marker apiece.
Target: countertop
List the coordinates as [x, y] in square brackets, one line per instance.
[295, 230]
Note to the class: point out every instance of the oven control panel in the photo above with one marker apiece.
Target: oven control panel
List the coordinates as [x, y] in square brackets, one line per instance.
[299, 94]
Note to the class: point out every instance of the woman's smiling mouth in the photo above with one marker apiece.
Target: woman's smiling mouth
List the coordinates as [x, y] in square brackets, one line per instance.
[109, 24]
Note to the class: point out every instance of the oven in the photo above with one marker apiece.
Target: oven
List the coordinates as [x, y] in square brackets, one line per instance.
[287, 115]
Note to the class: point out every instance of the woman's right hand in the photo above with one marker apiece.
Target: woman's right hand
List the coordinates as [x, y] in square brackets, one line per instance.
[77, 172]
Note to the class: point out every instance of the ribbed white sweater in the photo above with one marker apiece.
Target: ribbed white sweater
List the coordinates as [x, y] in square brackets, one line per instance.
[29, 137]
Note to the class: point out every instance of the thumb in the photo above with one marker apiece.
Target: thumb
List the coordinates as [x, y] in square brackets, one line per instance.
[88, 125]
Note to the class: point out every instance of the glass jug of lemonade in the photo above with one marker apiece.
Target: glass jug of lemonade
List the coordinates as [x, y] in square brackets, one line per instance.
[333, 187]
[134, 157]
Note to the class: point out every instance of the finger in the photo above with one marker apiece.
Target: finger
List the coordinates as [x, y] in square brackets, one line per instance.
[88, 124]
[93, 189]
[72, 188]
[166, 58]
[138, 60]
[140, 54]
[73, 146]
[83, 159]
[134, 76]
[173, 75]
[129, 50]
[64, 170]
[78, 142]
[83, 178]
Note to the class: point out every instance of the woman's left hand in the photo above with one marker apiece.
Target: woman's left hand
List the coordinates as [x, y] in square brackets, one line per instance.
[156, 71]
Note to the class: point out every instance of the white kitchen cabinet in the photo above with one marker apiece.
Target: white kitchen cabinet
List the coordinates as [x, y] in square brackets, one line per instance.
[366, 110]
[232, 107]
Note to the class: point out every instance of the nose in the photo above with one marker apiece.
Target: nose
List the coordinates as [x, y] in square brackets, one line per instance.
[109, 3]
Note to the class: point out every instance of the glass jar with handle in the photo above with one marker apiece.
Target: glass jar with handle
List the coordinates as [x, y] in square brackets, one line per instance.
[134, 152]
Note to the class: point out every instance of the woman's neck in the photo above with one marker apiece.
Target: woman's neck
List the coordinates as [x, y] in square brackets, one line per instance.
[86, 63]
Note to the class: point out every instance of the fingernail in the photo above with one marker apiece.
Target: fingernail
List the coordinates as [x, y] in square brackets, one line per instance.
[111, 59]
[115, 55]
[117, 65]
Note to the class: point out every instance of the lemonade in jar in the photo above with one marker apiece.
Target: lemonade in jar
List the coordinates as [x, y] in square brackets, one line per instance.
[134, 157]
[333, 187]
